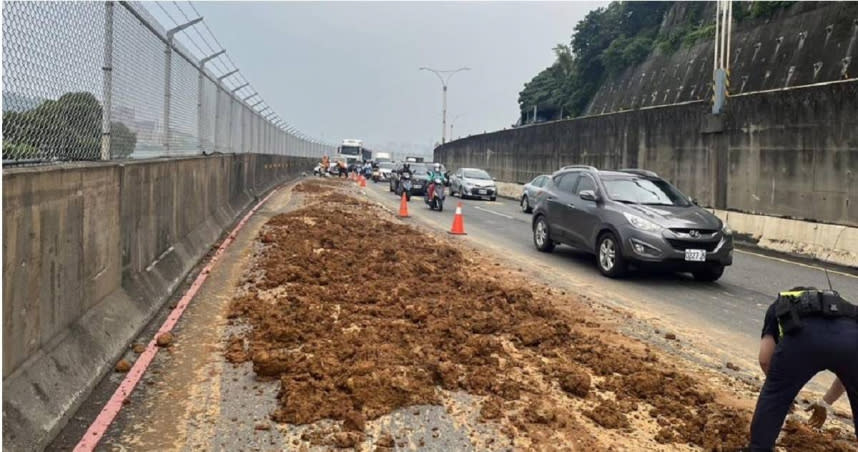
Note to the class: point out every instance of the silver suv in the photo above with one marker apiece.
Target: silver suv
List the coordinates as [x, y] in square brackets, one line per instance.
[630, 217]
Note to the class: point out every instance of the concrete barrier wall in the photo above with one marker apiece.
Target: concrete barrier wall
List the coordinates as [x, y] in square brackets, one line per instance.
[789, 153]
[90, 254]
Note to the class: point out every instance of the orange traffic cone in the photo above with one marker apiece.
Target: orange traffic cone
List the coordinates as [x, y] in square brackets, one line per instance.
[458, 222]
[362, 182]
[403, 207]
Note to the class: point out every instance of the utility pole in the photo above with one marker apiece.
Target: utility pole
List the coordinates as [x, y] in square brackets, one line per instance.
[444, 77]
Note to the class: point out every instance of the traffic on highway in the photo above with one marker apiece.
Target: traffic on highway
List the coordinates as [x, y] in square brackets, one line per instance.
[430, 226]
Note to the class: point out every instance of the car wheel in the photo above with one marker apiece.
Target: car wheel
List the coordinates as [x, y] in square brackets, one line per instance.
[709, 273]
[542, 236]
[609, 256]
[525, 205]
[493, 198]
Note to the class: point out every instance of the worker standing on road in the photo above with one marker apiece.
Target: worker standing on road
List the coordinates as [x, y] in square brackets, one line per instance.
[805, 331]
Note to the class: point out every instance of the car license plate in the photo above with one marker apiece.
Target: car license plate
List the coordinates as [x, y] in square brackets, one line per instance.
[695, 255]
[418, 186]
[482, 192]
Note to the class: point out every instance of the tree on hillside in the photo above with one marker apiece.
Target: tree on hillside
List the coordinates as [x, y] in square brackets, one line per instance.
[68, 128]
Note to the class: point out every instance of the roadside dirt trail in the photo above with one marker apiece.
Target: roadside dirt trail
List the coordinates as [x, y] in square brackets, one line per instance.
[359, 316]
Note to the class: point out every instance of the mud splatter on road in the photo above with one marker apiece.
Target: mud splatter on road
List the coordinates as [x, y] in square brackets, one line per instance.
[358, 315]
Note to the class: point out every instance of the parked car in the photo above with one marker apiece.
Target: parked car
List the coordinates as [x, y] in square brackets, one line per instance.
[630, 217]
[532, 192]
[473, 182]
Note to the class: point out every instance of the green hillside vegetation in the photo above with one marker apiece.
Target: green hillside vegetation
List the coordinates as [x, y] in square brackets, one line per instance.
[68, 128]
[609, 40]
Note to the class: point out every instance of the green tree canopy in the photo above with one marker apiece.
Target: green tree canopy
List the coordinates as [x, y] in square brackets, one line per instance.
[68, 128]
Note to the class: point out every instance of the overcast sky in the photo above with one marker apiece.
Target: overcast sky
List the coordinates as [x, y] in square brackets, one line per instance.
[350, 70]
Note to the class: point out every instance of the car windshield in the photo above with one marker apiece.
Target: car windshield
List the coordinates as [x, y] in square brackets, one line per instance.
[651, 192]
[385, 165]
[418, 169]
[477, 174]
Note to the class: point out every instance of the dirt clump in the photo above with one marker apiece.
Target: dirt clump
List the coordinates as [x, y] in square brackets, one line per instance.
[138, 348]
[345, 440]
[799, 436]
[164, 339]
[235, 350]
[122, 366]
[608, 414]
[575, 381]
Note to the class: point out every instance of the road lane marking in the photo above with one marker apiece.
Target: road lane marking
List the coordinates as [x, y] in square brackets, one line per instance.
[822, 269]
[493, 212]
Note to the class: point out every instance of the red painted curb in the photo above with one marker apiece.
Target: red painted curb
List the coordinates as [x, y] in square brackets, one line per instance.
[101, 423]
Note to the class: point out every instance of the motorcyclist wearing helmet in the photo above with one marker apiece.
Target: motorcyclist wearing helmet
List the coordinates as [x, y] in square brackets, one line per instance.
[435, 173]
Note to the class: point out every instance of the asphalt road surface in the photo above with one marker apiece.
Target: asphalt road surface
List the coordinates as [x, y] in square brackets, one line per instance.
[722, 319]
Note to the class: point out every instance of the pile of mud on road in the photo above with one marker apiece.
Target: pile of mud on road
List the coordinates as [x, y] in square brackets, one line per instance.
[357, 315]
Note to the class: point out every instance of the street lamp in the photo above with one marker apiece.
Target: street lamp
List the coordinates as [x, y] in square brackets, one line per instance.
[453, 122]
[445, 77]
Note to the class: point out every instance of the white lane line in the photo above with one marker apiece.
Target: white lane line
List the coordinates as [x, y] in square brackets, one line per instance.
[493, 212]
[796, 263]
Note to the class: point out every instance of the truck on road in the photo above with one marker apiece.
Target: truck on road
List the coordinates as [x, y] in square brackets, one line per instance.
[351, 151]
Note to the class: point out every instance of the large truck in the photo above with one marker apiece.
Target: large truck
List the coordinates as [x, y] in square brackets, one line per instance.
[383, 157]
[351, 151]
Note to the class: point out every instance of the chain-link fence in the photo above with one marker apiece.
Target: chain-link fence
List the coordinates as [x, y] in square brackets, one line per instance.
[104, 80]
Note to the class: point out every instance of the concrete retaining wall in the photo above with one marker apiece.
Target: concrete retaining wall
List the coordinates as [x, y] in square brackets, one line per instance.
[789, 153]
[90, 254]
[809, 42]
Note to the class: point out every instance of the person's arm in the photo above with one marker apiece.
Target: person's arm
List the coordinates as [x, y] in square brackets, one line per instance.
[834, 392]
[767, 350]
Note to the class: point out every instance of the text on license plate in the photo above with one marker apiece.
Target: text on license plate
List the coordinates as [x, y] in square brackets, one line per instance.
[695, 255]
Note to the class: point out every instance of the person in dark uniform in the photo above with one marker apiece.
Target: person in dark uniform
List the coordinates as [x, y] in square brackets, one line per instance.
[805, 331]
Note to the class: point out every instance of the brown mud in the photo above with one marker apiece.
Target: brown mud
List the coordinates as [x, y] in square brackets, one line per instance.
[358, 315]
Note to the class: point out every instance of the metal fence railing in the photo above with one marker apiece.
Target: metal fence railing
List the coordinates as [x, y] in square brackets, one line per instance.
[105, 80]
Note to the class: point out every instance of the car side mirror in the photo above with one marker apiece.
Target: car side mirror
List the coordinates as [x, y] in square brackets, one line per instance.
[494, 179]
[693, 201]
[588, 195]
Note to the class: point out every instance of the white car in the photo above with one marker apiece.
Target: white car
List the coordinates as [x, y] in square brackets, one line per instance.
[473, 182]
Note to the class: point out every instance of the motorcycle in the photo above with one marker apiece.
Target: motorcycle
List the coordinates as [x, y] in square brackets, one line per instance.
[435, 199]
[405, 186]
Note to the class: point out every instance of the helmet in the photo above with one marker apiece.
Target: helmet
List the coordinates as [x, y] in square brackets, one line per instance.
[437, 167]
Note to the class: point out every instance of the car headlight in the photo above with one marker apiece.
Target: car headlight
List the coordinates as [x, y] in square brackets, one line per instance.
[726, 229]
[641, 223]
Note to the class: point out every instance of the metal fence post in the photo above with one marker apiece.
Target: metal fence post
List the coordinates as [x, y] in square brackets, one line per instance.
[168, 64]
[107, 88]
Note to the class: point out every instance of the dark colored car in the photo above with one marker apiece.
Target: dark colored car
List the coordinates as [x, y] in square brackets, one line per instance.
[532, 192]
[419, 175]
[630, 217]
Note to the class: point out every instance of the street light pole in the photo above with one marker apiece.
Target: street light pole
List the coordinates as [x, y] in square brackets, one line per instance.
[444, 77]
[453, 122]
